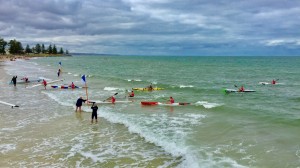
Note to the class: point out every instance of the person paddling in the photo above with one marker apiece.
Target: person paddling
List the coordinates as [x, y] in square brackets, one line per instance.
[131, 94]
[150, 87]
[273, 82]
[171, 100]
[72, 85]
[242, 89]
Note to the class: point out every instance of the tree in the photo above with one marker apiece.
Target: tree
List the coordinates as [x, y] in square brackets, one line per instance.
[2, 46]
[61, 51]
[54, 49]
[15, 47]
[50, 49]
[27, 49]
[38, 48]
[43, 49]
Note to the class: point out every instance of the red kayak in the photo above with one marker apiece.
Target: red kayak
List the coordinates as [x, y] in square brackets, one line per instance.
[149, 103]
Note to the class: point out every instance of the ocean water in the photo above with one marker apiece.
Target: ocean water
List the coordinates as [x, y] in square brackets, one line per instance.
[259, 129]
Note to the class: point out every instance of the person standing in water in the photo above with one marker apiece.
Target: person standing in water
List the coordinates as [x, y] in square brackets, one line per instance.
[58, 72]
[79, 104]
[94, 113]
[44, 83]
[14, 80]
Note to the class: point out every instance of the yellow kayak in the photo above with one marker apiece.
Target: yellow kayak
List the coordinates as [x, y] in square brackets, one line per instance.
[147, 89]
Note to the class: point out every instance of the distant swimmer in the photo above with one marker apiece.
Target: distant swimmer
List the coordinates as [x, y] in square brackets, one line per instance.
[241, 89]
[79, 103]
[94, 113]
[14, 80]
[44, 83]
[131, 94]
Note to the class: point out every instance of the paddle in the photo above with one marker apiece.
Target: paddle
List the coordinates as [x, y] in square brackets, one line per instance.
[110, 97]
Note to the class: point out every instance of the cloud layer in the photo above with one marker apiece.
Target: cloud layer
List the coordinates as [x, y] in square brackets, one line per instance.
[156, 27]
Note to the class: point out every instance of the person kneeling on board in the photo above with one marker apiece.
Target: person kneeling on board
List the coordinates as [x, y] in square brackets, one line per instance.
[79, 104]
[94, 113]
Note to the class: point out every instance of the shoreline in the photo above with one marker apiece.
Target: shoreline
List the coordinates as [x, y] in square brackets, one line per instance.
[11, 57]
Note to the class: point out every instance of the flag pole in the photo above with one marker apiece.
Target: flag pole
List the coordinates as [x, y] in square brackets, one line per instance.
[86, 92]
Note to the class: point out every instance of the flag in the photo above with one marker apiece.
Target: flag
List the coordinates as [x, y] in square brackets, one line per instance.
[83, 78]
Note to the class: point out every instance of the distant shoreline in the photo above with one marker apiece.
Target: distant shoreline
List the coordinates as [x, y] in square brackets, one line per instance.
[11, 57]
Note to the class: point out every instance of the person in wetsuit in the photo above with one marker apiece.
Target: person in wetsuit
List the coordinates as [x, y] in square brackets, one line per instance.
[94, 113]
[14, 80]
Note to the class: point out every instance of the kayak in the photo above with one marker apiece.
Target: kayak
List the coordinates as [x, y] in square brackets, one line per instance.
[65, 87]
[269, 83]
[164, 104]
[108, 102]
[237, 91]
[24, 82]
[41, 84]
[9, 104]
[147, 89]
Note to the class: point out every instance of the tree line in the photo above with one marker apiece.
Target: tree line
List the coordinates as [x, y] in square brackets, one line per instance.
[16, 47]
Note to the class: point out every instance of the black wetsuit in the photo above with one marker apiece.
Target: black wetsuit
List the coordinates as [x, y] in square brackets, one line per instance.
[79, 102]
[14, 80]
[94, 114]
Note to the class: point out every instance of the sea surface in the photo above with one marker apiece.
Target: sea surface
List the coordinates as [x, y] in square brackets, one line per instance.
[259, 129]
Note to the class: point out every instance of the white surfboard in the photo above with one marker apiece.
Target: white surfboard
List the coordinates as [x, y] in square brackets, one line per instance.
[9, 104]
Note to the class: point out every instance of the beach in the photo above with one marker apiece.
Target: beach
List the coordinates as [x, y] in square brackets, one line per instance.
[258, 129]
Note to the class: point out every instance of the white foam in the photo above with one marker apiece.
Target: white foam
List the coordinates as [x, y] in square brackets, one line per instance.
[207, 105]
[4, 148]
[134, 80]
[111, 88]
[186, 86]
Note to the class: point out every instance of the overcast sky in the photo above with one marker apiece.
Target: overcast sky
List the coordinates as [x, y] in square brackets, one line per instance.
[156, 27]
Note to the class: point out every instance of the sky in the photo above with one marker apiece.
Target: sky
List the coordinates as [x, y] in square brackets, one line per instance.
[156, 27]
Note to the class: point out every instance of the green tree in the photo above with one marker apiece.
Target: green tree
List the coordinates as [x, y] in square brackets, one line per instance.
[61, 51]
[27, 49]
[15, 47]
[54, 49]
[50, 49]
[2, 46]
[43, 49]
[38, 48]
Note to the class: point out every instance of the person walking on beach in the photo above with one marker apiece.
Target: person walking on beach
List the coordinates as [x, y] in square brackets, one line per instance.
[94, 113]
[44, 83]
[14, 80]
[79, 104]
